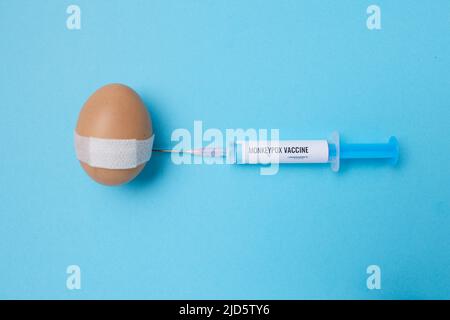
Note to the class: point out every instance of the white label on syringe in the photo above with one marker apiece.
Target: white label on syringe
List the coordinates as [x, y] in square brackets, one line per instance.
[283, 151]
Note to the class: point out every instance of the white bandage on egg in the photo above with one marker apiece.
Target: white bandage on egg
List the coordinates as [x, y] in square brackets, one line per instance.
[113, 153]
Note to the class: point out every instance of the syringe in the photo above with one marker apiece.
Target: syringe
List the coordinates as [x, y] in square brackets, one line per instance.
[298, 151]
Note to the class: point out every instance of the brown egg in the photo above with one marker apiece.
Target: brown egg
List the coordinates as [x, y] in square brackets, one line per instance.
[114, 111]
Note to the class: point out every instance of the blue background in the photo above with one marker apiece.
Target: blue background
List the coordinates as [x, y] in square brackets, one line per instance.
[216, 231]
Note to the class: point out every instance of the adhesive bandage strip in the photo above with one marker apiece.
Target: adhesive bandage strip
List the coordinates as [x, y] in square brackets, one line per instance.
[113, 153]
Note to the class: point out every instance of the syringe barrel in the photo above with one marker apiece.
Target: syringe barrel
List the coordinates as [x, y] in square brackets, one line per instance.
[281, 151]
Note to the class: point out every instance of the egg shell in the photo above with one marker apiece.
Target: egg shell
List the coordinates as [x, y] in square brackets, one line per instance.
[114, 111]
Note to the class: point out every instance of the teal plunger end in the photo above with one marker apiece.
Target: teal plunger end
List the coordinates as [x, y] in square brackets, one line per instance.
[393, 142]
[340, 150]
